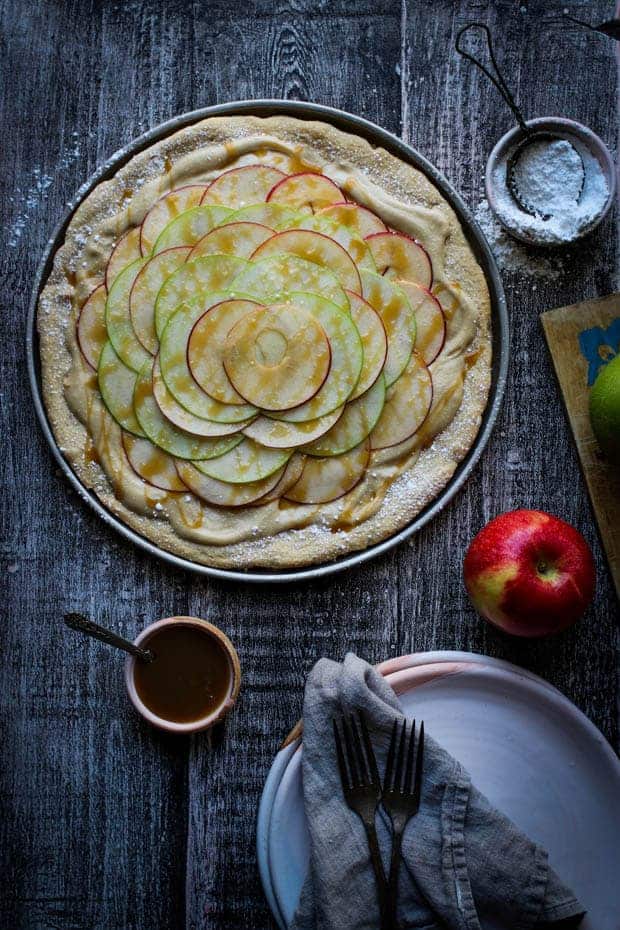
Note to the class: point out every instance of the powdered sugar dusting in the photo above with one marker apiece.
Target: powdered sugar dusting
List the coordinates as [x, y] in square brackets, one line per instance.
[512, 255]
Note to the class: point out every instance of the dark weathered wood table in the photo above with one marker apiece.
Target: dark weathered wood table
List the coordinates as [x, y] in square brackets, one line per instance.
[106, 824]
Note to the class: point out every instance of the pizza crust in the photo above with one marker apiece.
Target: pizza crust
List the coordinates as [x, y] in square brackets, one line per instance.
[277, 535]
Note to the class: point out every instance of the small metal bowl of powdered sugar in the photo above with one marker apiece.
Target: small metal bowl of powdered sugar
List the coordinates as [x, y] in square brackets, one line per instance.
[552, 185]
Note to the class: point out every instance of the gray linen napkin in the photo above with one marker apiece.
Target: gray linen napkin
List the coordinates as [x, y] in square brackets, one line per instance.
[466, 866]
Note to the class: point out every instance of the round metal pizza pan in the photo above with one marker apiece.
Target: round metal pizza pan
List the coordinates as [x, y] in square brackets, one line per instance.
[376, 136]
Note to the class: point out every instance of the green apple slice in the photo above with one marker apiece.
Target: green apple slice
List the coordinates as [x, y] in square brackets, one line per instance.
[277, 356]
[165, 210]
[324, 480]
[167, 436]
[306, 191]
[206, 274]
[205, 348]
[347, 358]
[223, 494]
[188, 228]
[232, 239]
[290, 476]
[152, 464]
[398, 318]
[91, 331]
[344, 235]
[246, 462]
[314, 247]
[182, 418]
[118, 320]
[407, 404]
[355, 424]
[430, 320]
[145, 289]
[239, 187]
[399, 256]
[357, 220]
[116, 384]
[175, 369]
[278, 434]
[269, 279]
[374, 342]
[275, 215]
[126, 251]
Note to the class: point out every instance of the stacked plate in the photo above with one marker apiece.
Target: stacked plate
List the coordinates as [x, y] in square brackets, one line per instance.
[526, 747]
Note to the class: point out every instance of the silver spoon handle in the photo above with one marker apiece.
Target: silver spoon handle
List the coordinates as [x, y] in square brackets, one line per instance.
[80, 623]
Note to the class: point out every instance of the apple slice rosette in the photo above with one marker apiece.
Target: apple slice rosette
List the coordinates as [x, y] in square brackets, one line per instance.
[327, 479]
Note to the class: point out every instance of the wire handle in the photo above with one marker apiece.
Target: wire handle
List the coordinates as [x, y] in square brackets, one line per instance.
[496, 79]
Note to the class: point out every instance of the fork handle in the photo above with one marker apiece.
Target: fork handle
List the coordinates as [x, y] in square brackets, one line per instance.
[377, 864]
[392, 885]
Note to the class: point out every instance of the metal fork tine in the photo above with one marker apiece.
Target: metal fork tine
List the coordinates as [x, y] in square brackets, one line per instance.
[389, 765]
[360, 756]
[344, 775]
[398, 781]
[410, 752]
[351, 759]
[370, 755]
[417, 788]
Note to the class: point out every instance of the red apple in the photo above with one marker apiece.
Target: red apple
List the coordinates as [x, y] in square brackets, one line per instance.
[529, 573]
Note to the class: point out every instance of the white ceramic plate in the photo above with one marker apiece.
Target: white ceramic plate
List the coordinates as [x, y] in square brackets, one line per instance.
[531, 751]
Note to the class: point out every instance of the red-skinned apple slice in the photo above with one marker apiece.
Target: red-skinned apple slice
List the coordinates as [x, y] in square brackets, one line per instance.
[313, 247]
[126, 251]
[355, 424]
[399, 256]
[324, 480]
[182, 418]
[358, 220]
[145, 289]
[246, 462]
[205, 348]
[306, 191]
[239, 187]
[240, 239]
[353, 244]
[398, 318]
[407, 404]
[91, 331]
[221, 493]
[430, 320]
[152, 464]
[374, 342]
[279, 434]
[277, 357]
[165, 210]
[289, 477]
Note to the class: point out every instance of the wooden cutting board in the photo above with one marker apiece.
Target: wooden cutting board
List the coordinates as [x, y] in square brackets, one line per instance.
[582, 338]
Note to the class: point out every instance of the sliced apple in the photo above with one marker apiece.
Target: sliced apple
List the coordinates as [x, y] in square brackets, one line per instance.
[240, 239]
[353, 244]
[167, 209]
[313, 247]
[347, 357]
[221, 493]
[175, 369]
[164, 434]
[189, 227]
[278, 275]
[290, 476]
[126, 251]
[205, 348]
[430, 320]
[398, 318]
[324, 480]
[398, 256]
[277, 357]
[239, 187]
[91, 331]
[275, 215]
[374, 342]
[152, 464]
[118, 320]
[116, 385]
[306, 191]
[360, 221]
[179, 416]
[246, 462]
[407, 404]
[144, 291]
[202, 276]
[278, 434]
[355, 424]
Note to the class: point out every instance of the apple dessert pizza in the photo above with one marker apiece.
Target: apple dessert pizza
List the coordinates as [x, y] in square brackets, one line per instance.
[265, 343]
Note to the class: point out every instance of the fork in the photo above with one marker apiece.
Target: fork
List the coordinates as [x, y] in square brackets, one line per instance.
[402, 787]
[361, 787]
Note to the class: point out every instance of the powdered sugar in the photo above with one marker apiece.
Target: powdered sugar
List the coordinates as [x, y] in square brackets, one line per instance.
[511, 255]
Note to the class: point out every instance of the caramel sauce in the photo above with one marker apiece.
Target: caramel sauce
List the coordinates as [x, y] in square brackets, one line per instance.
[127, 193]
[472, 357]
[299, 166]
[90, 453]
[71, 277]
[167, 165]
[190, 676]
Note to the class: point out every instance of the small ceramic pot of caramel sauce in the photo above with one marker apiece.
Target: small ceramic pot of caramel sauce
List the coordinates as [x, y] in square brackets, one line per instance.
[193, 680]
